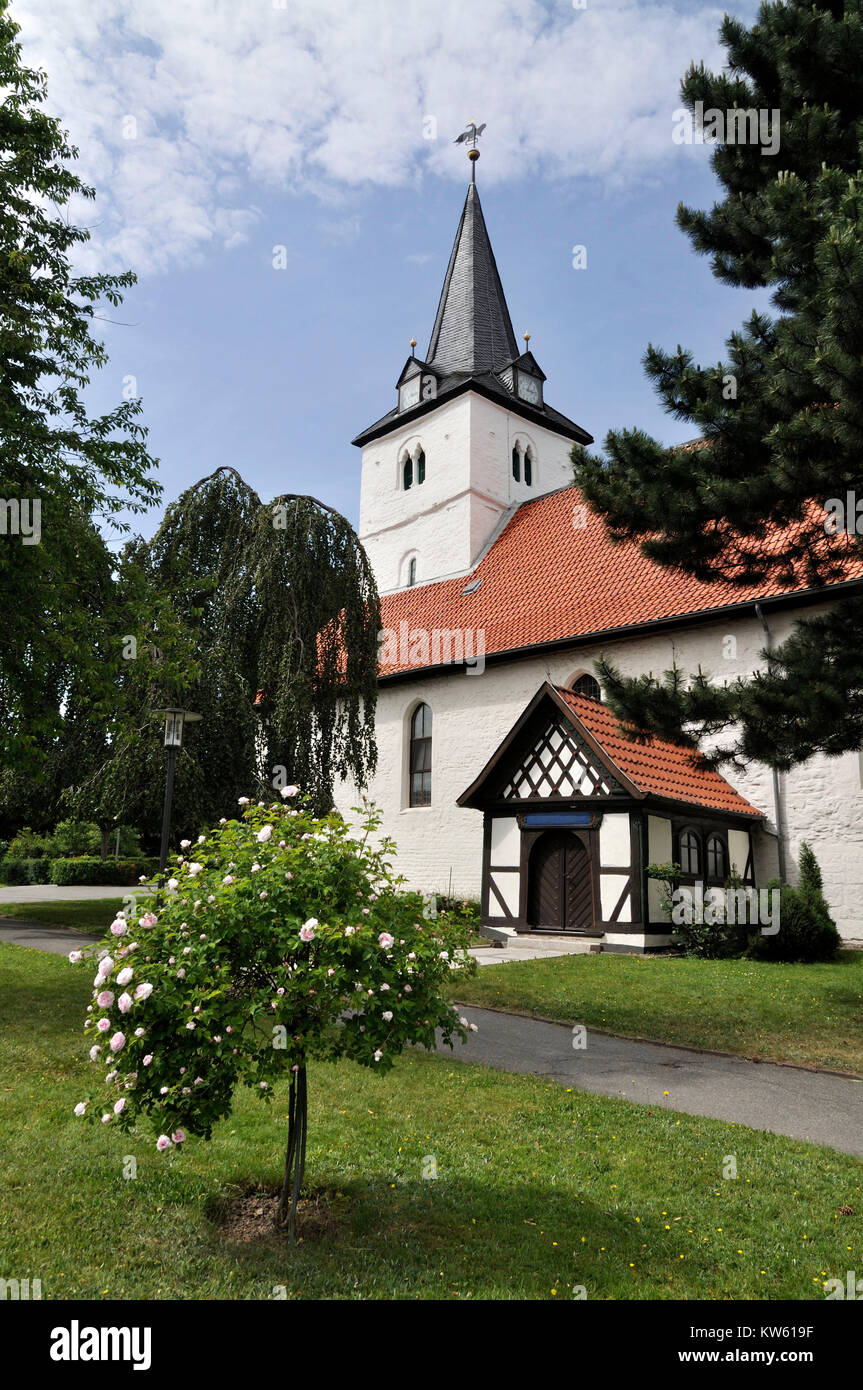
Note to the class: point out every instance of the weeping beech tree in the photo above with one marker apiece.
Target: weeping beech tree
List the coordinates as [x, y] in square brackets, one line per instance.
[269, 631]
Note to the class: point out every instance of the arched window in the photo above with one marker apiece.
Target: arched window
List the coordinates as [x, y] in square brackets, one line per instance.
[528, 468]
[412, 570]
[420, 756]
[408, 473]
[717, 864]
[421, 467]
[516, 464]
[690, 853]
[587, 685]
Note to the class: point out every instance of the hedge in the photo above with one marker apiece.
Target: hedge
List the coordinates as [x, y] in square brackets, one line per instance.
[20, 871]
[86, 870]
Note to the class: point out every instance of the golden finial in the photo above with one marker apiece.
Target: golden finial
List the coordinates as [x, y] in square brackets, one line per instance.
[413, 345]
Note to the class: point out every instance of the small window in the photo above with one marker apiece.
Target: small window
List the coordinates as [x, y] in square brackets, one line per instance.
[690, 853]
[421, 467]
[717, 864]
[408, 473]
[528, 469]
[420, 756]
[412, 571]
[587, 685]
[516, 465]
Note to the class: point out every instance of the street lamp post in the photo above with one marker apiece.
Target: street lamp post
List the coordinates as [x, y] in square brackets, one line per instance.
[175, 721]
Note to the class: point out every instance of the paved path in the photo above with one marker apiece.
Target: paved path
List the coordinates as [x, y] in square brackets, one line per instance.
[50, 892]
[58, 940]
[527, 948]
[815, 1106]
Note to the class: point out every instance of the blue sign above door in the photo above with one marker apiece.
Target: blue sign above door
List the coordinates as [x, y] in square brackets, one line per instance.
[544, 820]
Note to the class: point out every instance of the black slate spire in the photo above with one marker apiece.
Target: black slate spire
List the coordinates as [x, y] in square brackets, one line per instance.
[472, 330]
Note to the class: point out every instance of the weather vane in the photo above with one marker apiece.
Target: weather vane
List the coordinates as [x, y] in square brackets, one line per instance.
[470, 135]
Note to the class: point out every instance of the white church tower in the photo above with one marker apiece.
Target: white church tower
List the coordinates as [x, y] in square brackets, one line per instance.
[471, 436]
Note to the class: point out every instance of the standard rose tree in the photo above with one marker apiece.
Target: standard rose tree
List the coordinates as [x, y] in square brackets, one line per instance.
[281, 937]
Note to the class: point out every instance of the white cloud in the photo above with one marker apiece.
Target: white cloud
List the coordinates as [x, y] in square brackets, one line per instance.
[232, 100]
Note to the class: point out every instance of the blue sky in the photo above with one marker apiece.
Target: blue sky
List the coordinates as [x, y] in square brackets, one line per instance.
[300, 129]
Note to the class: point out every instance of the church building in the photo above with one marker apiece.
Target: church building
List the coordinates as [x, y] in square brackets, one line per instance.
[501, 773]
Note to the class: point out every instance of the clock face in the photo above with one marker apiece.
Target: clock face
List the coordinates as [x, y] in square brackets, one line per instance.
[528, 388]
[409, 394]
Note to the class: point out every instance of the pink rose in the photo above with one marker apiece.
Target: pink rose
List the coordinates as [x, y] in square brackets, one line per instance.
[124, 1003]
[120, 1105]
[118, 1041]
[103, 1025]
[75, 956]
[144, 990]
[105, 999]
[148, 1059]
[179, 1136]
[125, 975]
[163, 1143]
[307, 931]
[80, 1108]
[264, 834]
[385, 940]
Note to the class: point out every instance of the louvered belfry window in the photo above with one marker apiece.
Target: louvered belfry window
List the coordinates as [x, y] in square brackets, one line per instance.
[408, 473]
[420, 756]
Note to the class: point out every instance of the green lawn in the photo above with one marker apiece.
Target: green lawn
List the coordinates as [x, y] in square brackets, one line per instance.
[539, 1188]
[797, 1013]
[93, 915]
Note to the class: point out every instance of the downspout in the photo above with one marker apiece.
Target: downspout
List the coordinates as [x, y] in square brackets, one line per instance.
[777, 795]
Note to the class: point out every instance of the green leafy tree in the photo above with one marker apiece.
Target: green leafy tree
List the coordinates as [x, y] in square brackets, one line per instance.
[780, 420]
[281, 938]
[63, 471]
[273, 598]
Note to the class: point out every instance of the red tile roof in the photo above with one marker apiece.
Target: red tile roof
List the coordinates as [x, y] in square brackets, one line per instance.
[546, 579]
[658, 767]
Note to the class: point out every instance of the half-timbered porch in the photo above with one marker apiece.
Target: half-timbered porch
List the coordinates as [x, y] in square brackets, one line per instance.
[574, 812]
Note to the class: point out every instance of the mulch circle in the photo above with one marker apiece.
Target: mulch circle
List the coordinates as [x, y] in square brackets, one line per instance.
[252, 1216]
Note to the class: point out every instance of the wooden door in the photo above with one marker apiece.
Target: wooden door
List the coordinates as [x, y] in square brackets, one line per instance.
[560, 889]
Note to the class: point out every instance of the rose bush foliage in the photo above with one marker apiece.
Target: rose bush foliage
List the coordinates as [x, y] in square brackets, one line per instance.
[280, 937]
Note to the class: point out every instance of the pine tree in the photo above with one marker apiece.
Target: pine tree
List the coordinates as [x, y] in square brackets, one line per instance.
[780, 420]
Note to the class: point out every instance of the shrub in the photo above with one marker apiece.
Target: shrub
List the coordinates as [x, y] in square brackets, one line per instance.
[28, 844]
[75, 837]
[285, 937]
[90, 870]
[807, 931]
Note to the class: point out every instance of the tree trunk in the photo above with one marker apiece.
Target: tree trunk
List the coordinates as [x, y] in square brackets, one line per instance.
[295, 1154]
[106, 835]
